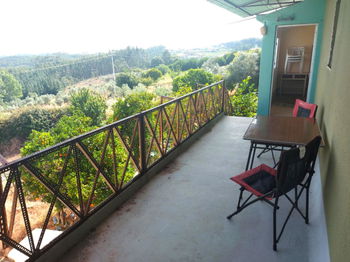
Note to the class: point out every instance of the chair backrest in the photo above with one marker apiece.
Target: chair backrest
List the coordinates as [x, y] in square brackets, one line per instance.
[294, 166]
[296, 51]
[304, 109]
[311, 153]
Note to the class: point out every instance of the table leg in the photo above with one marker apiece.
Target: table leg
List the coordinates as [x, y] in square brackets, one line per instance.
[249, 155]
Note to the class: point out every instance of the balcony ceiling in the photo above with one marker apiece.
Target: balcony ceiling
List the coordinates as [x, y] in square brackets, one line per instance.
[246, 8]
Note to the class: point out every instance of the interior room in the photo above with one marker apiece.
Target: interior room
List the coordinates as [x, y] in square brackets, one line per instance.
[292, 67]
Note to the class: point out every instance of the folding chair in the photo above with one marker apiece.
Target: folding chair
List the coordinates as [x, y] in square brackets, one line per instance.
[294, 172]
[301, 109]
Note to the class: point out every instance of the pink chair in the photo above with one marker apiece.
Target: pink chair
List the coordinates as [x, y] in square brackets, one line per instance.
[304, 109]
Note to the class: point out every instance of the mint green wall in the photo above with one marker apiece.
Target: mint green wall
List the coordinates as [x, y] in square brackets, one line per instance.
[307, 12]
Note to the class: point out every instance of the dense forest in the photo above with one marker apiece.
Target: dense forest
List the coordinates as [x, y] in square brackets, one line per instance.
[49, 74]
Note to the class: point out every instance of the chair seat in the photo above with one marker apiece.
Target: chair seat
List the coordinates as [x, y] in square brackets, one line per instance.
[259, 180]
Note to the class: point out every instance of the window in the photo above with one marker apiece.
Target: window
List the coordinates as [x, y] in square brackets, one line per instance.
[335, 25]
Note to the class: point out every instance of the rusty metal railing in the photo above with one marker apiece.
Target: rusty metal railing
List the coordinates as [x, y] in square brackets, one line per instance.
[74, 179]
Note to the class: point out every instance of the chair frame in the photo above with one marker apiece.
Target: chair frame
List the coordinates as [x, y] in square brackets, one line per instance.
[310, 170]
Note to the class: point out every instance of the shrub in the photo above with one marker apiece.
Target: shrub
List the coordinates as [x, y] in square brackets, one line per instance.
[153, 73]
[132, 104]
[245, 99]
[147, 81]
[126, 79]
[10, 88]
[243, 65]
[194, 78]
[163, 68]
[51, 164]
[21, 124]
[90, 104]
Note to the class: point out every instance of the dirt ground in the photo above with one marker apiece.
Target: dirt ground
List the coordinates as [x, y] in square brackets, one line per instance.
[37, 212]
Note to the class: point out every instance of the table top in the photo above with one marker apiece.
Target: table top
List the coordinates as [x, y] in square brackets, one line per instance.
[280, 130]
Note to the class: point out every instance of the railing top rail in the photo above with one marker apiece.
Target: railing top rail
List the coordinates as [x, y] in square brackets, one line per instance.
[73, 140]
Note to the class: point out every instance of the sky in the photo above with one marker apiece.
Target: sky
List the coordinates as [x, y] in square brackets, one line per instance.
[89, 26]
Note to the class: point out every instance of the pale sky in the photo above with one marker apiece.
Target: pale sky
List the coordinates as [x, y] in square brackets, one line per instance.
[88, 26]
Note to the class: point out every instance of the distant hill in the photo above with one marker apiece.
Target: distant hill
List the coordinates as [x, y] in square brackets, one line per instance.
[241, 45]
[33, 61]
[220, 49]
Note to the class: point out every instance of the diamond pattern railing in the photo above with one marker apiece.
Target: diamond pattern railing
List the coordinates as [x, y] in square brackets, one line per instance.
[75, 178]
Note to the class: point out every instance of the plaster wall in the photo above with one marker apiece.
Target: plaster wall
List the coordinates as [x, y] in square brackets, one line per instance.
[332, 97]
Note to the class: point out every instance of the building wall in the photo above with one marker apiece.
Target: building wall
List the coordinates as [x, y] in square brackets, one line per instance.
[307, 12]
[333, 98]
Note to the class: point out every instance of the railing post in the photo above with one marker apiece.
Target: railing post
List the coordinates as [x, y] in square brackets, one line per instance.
[223, 97]
[3, 219]
[142, 144]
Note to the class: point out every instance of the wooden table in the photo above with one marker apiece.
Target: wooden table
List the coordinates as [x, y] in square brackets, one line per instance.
[279, 131]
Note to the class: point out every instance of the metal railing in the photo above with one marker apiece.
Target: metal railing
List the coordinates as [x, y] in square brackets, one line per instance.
[74, 179]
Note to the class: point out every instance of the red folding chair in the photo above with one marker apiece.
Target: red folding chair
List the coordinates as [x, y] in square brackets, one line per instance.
[294, 173]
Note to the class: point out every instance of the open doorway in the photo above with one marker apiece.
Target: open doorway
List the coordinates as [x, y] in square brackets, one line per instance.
[292, 67]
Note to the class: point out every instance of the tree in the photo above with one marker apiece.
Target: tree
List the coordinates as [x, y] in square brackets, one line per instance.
[221, 61]
[90, 104]
[163, 68]
[10, 88]
[243, 65]
[156, 61]
[229, 57]
[51, 164]
[153, 73]
[166, 56]
[133, 104]
[194, 78]
[245, 99]
[186, 64]
[126, 79]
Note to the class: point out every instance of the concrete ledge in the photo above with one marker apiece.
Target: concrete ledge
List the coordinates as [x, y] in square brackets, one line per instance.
[62, 246]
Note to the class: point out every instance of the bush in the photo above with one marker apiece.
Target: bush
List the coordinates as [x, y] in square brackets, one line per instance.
[147, 81]
[90, 104]
[163, 68]
[126, 79]
[153, 73]
[187, 64]
[132, 104]
[10, 88]
[245, 99]
[51, 164]
[243, 65]
[194, 78]
[21, 124]
[156, 61]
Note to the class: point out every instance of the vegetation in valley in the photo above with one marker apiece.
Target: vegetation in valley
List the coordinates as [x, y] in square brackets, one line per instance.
[45, 100]
[37, 91]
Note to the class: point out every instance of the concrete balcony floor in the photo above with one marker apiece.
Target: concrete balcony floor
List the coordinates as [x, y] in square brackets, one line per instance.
[180, 215]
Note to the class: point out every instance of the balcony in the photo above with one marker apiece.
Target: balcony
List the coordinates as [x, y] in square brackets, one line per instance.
[176, 193]
[180, 215]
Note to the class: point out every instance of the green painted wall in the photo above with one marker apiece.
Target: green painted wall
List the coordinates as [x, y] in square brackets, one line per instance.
[307, 12]
[333, 98]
